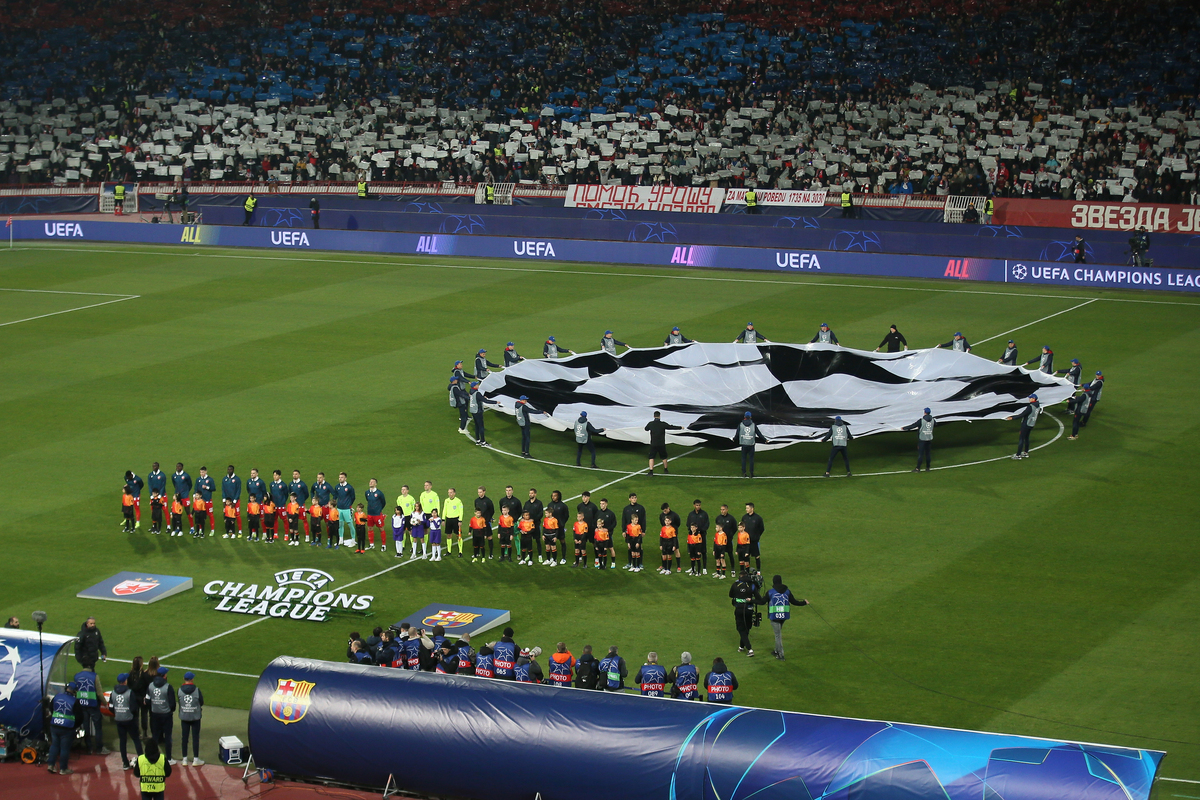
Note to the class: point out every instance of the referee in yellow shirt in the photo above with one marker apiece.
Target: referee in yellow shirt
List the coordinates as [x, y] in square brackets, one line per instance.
[452, 513]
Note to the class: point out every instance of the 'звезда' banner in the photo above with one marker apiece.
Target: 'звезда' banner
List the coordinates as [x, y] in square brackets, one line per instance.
[646, 198]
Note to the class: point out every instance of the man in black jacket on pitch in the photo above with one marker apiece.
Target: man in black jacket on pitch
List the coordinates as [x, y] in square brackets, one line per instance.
[754, 525]
[658, 442]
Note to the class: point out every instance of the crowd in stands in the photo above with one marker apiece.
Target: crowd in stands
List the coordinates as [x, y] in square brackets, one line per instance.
[407, 647]
[1030, 98]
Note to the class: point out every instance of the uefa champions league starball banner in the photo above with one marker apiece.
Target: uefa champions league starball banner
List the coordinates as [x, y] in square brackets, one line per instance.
[792, 391]
[137, 587]
[456, 619]
[513, 741]
[24, 665]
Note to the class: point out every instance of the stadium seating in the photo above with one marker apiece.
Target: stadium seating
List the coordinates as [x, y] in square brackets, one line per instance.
[1032, 99]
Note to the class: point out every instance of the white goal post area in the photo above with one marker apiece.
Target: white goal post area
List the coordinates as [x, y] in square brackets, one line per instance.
[957, 204]
[502, 195]
[108, 204]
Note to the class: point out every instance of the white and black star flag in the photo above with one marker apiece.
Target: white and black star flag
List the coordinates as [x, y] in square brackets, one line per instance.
[793, 391]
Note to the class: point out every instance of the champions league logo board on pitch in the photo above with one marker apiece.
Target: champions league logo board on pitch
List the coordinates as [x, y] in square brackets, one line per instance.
[297, 594]
[137, 587]
[456, 619]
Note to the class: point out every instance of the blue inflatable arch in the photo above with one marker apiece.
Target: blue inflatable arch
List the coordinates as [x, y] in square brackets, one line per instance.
[460, 736]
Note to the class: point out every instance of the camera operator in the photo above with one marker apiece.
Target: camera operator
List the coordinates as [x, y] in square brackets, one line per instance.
[1139, 244]
[745, 597]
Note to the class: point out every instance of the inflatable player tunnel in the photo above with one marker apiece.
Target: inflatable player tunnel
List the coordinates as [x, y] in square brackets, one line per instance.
[484, 739]
[24, 666]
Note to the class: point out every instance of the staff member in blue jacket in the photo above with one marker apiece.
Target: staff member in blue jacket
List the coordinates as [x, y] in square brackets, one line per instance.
[613, 671]
[1097, 385]
[504, 654]
[64, 709]
[1073, 373]
[459, 400]
[839, 437]
[523, 410]
[476, 402]
[676, 337]
[584, 431]
[779, 610]
[924, 427]
[609, 345]
[720, 683]
[1029, 417]
[651, 677]
[482, 365]
[90, 697]
[552, 348]
[685, 678]
[1009, 356]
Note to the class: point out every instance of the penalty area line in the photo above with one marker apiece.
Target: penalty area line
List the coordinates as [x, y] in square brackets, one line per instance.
[69, 310]
[264, 619]
[631, 474]
[1036, 321]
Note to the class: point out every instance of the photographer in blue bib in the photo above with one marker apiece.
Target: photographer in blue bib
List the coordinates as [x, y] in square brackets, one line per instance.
[779, 610]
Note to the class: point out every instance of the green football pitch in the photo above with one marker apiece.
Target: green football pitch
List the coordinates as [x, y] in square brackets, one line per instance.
[1056, 596]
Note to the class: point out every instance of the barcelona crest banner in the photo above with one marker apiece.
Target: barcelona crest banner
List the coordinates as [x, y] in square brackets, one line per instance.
[290, 701]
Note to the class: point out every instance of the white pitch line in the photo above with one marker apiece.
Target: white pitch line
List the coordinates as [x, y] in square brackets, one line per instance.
[69, 310]
[1036, 321]
[631, 474]
[59, 291]
[392, 260]
[264, 619]
[1177, 780]
[214, 638]
[197, 669]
